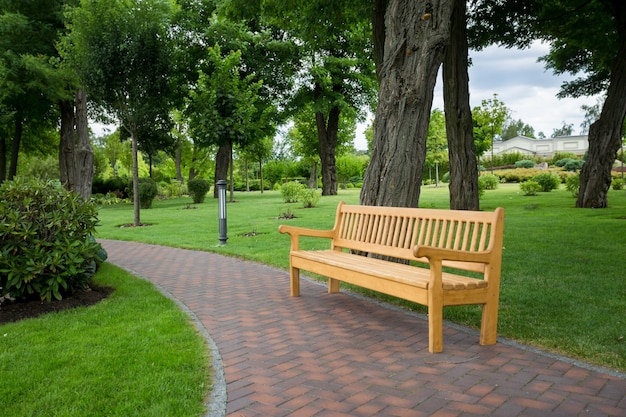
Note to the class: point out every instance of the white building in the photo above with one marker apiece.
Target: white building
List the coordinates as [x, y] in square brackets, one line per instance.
[546, 148]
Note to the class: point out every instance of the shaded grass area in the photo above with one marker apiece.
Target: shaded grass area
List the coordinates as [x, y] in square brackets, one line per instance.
[563, 284]
[133, 354]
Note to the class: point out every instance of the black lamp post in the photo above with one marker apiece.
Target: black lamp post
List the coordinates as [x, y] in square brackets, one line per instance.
[221, 204]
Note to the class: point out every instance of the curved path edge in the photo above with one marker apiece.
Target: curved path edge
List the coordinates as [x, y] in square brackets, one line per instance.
[321, 355]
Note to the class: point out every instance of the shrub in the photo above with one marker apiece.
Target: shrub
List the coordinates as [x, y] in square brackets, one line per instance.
[291, 191]
[548, 181]
[530, 187]
[525, 163]
[148, 190]
[490, 181]
[617, 184]
[310, 197]
[572, 184]
[573, 164]
[46, 244]
[198, 187]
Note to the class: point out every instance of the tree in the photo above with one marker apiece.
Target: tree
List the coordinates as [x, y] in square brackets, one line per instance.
[464, 193]
[416, 36]
[121, 53]
[489, 119]
[336, 69]
[513, 128]
[565, 130]
[221, 108]
[31, 83]
[436, 143]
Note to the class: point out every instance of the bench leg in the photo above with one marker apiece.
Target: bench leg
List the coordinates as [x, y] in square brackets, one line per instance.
[435, 328]
[489, 324]
[295, 282]
[333, 286]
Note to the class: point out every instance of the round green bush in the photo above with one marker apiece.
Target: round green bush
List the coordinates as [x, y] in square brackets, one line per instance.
[46, 244]
[148, 190]
[548, 181]
[489, 182]
[530, 187]
[291, 191]
[198, 187]
[525, 163]
[617, 184]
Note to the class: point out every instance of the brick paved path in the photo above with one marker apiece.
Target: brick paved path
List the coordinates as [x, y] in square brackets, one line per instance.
[340, 355]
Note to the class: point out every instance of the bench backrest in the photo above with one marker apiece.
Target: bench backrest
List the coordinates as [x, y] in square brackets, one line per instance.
[394, 231]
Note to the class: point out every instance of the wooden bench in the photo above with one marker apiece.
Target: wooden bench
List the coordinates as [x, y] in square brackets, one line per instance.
[430, 239]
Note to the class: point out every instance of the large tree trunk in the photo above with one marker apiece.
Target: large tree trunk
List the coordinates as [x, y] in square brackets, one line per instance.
[15, 146]
[459, 129]
[222, 160]
[605, 135]
[67, 172]
[417, 34]
[327, 131]
[84, 152]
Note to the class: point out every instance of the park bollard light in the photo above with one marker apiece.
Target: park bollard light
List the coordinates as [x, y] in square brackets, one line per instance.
[221, 204]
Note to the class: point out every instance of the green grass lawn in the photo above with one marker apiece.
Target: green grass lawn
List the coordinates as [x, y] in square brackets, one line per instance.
[133, 354]
[563, 283]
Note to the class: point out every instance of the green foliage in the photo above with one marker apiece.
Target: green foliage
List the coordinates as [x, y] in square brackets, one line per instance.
[291, 191]
[572, 184]
[570, 164]
[171, 189]
[507, 158]
[488, 120]
[530, 187]
[198, 187]
[489, 181]
[148, 191]
[548, 181]
[117, 185]
[617, 184]
[310, 197]
[516, 175]
[525, 163]
[558, 156]
[47, 249]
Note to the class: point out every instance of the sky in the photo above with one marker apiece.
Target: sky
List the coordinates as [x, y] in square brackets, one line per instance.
[522, 84]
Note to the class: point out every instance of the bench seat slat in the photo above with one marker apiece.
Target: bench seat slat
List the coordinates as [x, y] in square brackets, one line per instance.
[393, 271]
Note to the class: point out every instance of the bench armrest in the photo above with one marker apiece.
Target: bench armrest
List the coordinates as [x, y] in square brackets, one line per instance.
[295, 232]
[440, 254]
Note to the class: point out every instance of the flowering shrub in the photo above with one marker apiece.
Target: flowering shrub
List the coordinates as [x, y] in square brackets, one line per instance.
[46, 243]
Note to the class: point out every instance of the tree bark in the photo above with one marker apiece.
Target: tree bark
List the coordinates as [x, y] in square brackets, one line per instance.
[605, 134]
[84, 167]
[136, 211]
[327, 131]
[66, 146]
[459, 128]
[222, 160]
[417, 34]
[178, 161]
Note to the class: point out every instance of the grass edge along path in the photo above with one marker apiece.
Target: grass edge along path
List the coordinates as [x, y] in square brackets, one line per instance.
[563, 288]
[136, 353]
